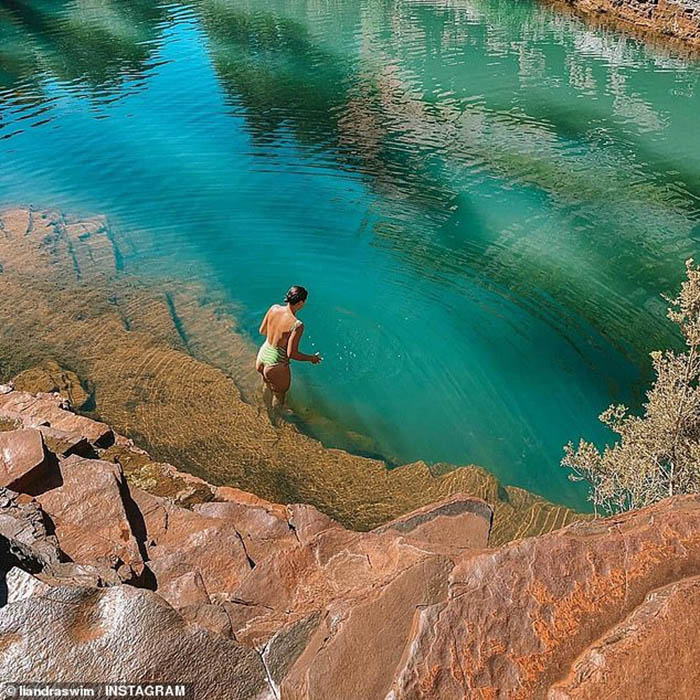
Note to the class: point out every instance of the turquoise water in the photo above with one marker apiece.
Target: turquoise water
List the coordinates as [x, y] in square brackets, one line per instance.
[484, 197]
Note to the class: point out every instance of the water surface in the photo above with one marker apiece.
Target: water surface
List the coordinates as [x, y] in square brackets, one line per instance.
[485, 198]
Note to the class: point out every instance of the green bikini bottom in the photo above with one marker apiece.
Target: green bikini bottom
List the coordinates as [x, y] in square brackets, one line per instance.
[272, 355]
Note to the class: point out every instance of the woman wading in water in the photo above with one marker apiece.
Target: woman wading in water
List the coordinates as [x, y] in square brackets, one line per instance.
[282, 330]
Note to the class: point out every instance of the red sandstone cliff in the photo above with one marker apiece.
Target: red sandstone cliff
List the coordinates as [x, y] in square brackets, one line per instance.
[250, 599]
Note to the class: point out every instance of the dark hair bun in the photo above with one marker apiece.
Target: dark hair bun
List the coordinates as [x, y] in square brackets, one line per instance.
[295, 295]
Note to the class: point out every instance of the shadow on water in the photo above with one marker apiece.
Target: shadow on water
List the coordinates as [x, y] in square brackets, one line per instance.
[98, 43]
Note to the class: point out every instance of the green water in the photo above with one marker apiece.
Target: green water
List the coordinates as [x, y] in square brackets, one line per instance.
[485, 198]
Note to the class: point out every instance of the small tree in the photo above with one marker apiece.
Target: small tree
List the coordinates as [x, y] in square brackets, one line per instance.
[657, 454]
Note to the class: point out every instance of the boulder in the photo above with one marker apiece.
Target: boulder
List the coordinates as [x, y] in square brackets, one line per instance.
[92, 513]
[120, 634]
[180, 542]
[25, 464]
[25, 542]
[64, 444]
[24, 538]
[374, 631]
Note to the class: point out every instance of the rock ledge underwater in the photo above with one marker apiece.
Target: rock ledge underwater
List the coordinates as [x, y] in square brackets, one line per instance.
[163, 362]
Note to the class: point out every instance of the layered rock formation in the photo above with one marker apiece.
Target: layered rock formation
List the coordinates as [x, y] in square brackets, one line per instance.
[168, 368]
[675, 20]
[180, 581]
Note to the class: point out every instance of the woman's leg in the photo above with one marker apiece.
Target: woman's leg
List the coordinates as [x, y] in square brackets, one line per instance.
[266, 390]
[278, 378]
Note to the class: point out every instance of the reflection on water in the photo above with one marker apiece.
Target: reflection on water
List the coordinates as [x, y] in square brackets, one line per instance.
[91, 43]
[486, 198]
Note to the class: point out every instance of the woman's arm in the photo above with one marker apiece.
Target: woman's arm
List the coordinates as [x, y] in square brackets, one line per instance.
[293, 347]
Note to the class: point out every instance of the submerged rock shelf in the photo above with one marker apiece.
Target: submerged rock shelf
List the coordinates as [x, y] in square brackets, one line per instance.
[166, 368]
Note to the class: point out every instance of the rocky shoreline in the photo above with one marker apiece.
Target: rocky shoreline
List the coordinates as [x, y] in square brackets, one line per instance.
[670, 21]
[180, 581]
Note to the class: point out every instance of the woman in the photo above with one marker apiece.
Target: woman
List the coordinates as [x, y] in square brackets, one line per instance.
[282, 330]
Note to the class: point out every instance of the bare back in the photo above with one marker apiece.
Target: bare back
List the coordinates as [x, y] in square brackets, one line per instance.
[278, 324]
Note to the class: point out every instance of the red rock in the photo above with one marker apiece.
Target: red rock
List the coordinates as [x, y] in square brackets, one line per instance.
[121, 634]
[91, 516]
[24, 463]
[625, 662]
[229, 493]
[458, 522]
[262, 530]
[518, 618]
[267, 527]
[373, 631]
[180, 541]
[286, 603]
[308, 522]
[284, 648]
[24, 538]
[185, 591]
[677, 20]
[209, 617]
[65, 444]
[293, 583]
[41, 409]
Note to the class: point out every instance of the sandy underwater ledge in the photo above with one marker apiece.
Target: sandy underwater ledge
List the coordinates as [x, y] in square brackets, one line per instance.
[165, 367]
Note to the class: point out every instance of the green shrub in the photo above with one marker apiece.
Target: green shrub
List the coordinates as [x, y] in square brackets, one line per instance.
[657, 454]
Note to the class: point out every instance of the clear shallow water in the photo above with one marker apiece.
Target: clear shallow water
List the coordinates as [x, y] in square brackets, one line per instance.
[485, 198]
